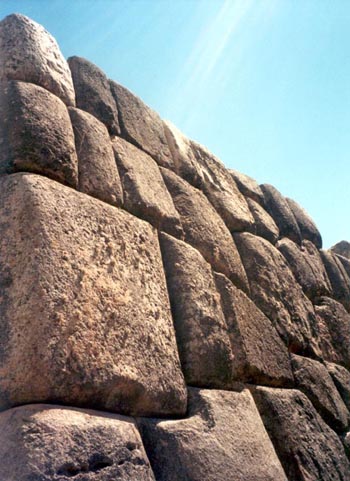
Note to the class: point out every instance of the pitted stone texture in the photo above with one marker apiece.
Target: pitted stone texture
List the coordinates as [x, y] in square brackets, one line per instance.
[205, 230]
[342, 248]
[222, 439]
[307, 226]
[306, 264]
[93, 93]
[275, 291]
[36, 133]
[29, 53]
[264, 225]
[308, 449]
[145, 194]
[279, 209]
[341, 379]
[313, 379]
[248, 186]
[98, 173]
[345, 263]
[338, 277]
[333, 325]
[200, 326]
[141, 126]
[260, 356]
[221, 190]
[56, 443]
[83, 301]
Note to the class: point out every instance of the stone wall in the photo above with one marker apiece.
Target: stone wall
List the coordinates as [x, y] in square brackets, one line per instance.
[162, 317]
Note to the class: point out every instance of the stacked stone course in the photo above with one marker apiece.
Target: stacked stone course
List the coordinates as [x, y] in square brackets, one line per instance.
[162, 318]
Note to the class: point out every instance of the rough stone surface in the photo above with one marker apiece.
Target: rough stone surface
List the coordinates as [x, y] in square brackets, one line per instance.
[275, 291]
[264, 224]
[141, 126]
[223, 438]
[205, 230]
[36, 133]
[306, 264]
[306, 225]
[308, 449]
[84, 307]
[313, 379]
[338, 277]
[55, 443]
[278, 207]
[345, 263]
[333, 325]
[260, 356]
[221, 190]
[341, 379]
[98, 173]
[200, 326]
[29, 53]
[145, 194]
[93, 93]
[342, 248]
[248, 186]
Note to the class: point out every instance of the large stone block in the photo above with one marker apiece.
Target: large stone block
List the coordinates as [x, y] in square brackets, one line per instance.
[29, 53]
[259, 355]
[83, 302]
[222, 439]
[45, 443]
[275, 291]
[279, 209]
[306, 264]
[93, 93]
[308, 449]
[339, 279]
[342, 248]
[141, 126]
[333, 325]
[341, 379]
[205, 230]
[248, 186]
[264, 224]
[35, 133]
[201, 330]
[307, 226]
[98, 173]
[313, 379]
[145, 194]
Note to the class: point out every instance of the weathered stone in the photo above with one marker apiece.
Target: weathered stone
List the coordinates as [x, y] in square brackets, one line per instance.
[29, 53]
[200, 326]
[341, 379]
[83, 303]
[221, 190]
[36, 133]
[307, 266]
[333, 325]
[312, 378]
[185, 162]
[43, 442]
[265, 226]
[338, 277]
[205, 230]
[248, 186]
[346, 442]
[306, 225]
[145, 194]
[345, 263]
[342, 248]
[260, 356]
[93, 93]
[278, 207]
[308, 449]
[98, 173]
[223, 438]
[141, 126]
[275, 291]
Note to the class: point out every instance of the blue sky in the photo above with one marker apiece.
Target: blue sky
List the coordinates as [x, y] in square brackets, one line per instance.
[263, 84]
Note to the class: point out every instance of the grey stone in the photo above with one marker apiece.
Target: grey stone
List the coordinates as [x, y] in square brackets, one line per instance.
[307, 226]
[342, 248]
[98, 173]
[35, 133]
[341, 379]
[338, 277]
[248, 186]
[265, 226]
